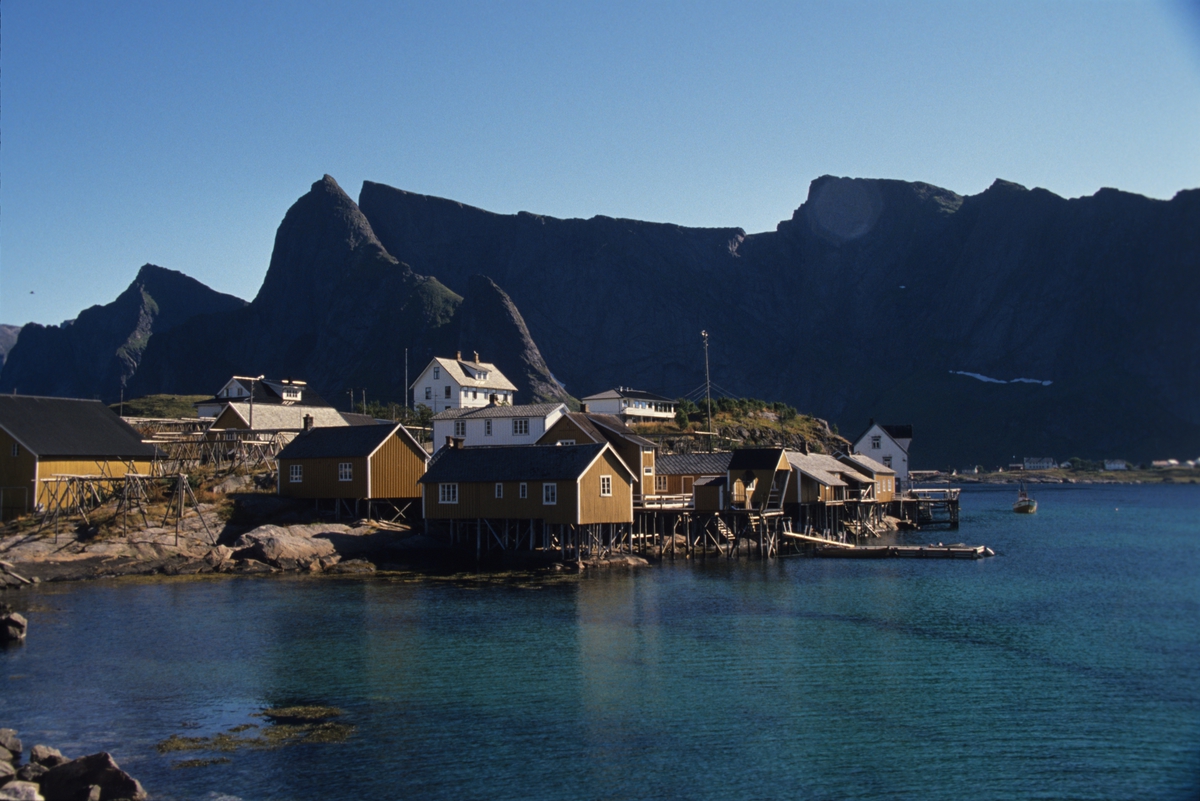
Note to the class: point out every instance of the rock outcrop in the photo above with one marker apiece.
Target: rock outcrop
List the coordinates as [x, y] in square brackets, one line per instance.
[50, 776]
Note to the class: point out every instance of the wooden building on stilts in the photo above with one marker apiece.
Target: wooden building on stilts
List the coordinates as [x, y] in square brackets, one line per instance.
[570, 501]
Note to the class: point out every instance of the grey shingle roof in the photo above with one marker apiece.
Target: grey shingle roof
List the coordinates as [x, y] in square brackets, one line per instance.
[870, 464]
[608, 427]
[346, 441]
[511, 463]
[529, 410]
[692, 464]
[814, 466]
[625, 392]
[63, 427]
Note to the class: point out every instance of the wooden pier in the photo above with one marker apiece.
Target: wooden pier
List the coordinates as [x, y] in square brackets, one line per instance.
[927, 507]
[939, 551]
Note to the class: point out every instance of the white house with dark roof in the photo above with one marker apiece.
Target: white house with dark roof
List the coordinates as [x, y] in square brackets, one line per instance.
[266, 391]
[460, 384]
[631, 405]
[496, 424]
[887, 445]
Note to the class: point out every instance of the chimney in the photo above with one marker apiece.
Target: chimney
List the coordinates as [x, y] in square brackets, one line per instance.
[477, 357]
[457, 443]
[449, 441]
[458, 355]
[308, 422]
[492, 401]
[583, 407]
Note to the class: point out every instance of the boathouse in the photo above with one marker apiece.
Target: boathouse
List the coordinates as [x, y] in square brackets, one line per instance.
[353, 463]
[41, 438]
[758, 478]
[883, 476]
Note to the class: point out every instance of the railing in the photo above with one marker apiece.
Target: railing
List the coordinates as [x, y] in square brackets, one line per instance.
[664, 501]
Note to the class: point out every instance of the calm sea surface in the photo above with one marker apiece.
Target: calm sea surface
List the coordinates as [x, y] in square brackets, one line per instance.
[1066, 667]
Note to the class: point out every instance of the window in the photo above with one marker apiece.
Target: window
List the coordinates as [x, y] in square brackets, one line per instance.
[291, 394]
[875, 440]
[523, 490]
[887, 461]
[460, 428]
[648, 471]
[345, 471]
[437, 372]
[499, 490]
[487, 428]
[549, 494]
[296, 473]
[16, 449]
[428, 393]
[606, 486]
[474, 394]
[566, 442]
[520, 427]
[447, 390]
[660, 483]
[447, 493]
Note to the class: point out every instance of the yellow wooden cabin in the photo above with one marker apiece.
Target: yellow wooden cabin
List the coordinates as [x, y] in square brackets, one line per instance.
[883, 476]
[580, 484]
[353, 463]
[44, 437]
[577, 428]
[814, 482]
[758, 478]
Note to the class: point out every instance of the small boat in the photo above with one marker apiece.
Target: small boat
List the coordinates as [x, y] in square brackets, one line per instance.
[1024, 505]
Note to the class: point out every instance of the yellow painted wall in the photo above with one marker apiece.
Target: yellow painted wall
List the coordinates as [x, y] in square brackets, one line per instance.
[320, 478]
[396, 467]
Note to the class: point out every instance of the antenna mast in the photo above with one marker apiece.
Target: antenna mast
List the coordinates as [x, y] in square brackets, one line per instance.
[707, 390]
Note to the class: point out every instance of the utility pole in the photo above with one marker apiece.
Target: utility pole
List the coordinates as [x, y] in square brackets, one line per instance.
[707, 390]
[406, 383]
[253, 381]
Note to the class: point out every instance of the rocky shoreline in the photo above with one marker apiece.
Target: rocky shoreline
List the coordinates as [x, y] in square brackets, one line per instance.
[50, 776]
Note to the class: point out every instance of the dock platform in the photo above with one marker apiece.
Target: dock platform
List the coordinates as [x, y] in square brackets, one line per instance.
[939, 551]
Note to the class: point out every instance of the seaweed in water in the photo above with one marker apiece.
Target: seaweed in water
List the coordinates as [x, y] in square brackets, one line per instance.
[288, 726]
[199, 763]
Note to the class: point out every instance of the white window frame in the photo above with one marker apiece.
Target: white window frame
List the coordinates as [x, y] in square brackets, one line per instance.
[523, 490]
[460, 428]
[345, 471]
[605, 486]
[649, 471]
[549, 494]
[447, 392]
[499, 489]
[566, 442]
[296, 474]
[428, 393]
[437, 373]
[521, 427]
[448, 493]
[876, 442]
[660, 483]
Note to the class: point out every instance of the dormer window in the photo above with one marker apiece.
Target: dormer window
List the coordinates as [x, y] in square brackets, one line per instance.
[482, 375]
[291, 394]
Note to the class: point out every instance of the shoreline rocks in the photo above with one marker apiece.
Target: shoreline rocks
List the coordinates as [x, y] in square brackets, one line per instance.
[50, 776]
[12, 629]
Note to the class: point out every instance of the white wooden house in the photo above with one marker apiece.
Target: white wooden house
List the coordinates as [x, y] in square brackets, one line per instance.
[631, 405]
[460, 384]
[496, 424]
[265, 391]
[887, 445]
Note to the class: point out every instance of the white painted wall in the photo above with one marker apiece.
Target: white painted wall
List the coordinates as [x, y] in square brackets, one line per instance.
[885, 450]
[501, 431]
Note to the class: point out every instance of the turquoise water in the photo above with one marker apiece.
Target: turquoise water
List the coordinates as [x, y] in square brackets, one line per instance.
[1066, 667]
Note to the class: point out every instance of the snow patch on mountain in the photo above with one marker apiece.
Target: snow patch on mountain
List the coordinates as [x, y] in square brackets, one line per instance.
[990, 380]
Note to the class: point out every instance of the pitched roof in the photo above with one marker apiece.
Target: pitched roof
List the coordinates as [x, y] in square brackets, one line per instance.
[269, 391]
[868, 464]
[356, 419]
[626, 392]
[65, 427]
[269, 417]
[464, 373]
[755, 458]
[512, 463]
[815, 468]
[529, 410]
[347, 441]
[611, 428]
[692, 464]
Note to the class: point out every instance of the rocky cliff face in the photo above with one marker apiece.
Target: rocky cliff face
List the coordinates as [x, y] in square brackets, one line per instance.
[8, 338]
[1006, 324]
[99, 351]
[871, 301]
[339, 311]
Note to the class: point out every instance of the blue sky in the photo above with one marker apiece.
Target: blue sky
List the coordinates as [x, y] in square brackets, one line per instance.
[180, 133]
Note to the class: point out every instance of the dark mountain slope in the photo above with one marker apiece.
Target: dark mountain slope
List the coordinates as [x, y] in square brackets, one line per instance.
[863, 303]
[339, 311]
[95, 354]
[489, 324]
